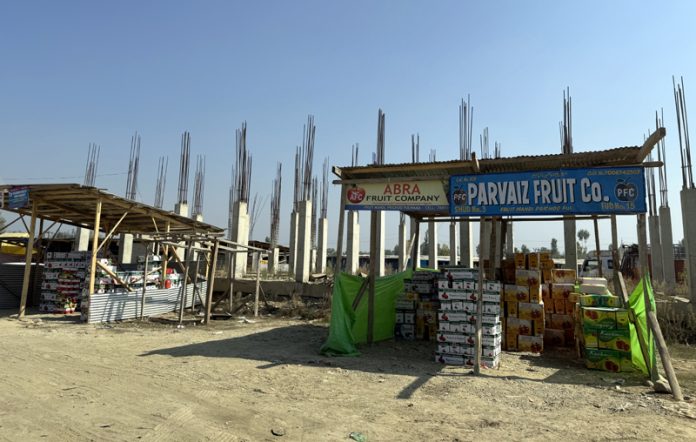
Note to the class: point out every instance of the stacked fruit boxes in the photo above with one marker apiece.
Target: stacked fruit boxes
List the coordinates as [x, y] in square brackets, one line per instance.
[416, 307]
[63, 278]
[559, 298]
[524, 309]
[458, 293]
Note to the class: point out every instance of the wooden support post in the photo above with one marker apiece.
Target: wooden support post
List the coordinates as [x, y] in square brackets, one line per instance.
[479, 303]
[195, 282]
[491, 254]
[372, 277]
[142, 296]
[95, 247]
[258, 283]
[182, 304]
[211, 281]
[415, 247]
[503, 238]
[230, 272]
[114, 276]
[616, 265]
[165, 256]
[339, 241]
[664, 356]
[27, 262]
[643, 259]
[598, 251]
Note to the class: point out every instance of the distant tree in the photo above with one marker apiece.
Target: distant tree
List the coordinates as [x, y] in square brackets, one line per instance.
[443, 249]
[330, 251]
[581, 250]
[425, 244]
[554, 248]
[394, 251]
[524, 248]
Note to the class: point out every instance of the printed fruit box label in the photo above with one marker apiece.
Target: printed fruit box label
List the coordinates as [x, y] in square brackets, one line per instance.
[608, 360]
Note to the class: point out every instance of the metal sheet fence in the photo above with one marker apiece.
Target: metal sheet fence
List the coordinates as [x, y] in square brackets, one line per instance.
[11, 278]
[108, 307]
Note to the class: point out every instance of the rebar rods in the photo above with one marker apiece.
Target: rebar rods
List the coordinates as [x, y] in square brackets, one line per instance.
[242, 169]
[275, 205]
[162, 166]
[566, 126]
[324, 189]
[133, 164]
[198, 186]
[466, 123]
[683, 130]
[379, 154]
[92, 164]
[184, 168]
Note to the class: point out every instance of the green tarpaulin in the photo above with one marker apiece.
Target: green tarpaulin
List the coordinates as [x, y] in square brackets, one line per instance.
[637, 304]
[349, 328]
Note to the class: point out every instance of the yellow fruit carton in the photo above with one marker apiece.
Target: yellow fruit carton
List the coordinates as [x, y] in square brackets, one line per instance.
[533, 261]
[534, 344]
[559, 305]
[530, 311]
[608, 360]
[547, 264]
[535, 293]
[528, 278]
[511, 340]
[546, 275]
[567, 276]
[538, 326]
[548, 305]
[545, 290]
[512, 309]
[517, 293]
[554, 338]
[597, 318]
[520, 261]
[619, 340]
[561, 322]
[519, 326]
[561, 290]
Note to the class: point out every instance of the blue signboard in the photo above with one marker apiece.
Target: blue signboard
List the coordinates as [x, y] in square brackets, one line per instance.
[18, 197]
[618, 190]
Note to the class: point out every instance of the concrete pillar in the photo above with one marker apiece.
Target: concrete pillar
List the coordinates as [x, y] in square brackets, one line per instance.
[466, 244]
[453, 243]
[181, 209]
[570, 245]
[667, 243]
[82, 239]
[292, 257]
[432, 245]
[498, 225]
[688, 208]
[313, 260]
[416, 247]
[322, 242]
[509, 240]
[240, 235]
[273, 259]
[125, 249]
[353, 243]
[484, 249]
[304, 241]
[380, 244]
[402, 247]
[658, 274]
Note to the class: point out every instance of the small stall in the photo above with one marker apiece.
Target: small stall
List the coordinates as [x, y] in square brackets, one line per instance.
[505, 303]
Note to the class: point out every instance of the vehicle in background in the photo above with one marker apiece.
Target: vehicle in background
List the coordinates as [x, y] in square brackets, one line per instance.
[591, 264]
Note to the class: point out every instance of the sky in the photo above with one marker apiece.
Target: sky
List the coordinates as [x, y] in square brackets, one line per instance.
[76, 72]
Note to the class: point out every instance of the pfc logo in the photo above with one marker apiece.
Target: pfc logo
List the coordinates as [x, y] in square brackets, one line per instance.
[625, 191]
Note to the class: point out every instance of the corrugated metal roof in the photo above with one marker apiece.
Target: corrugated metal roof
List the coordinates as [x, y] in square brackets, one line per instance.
[621, 156]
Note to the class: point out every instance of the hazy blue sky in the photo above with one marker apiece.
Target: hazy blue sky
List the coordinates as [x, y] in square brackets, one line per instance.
[79, 72]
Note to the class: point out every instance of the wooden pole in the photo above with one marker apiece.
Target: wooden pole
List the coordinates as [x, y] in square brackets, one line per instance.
[479, 302]
[643, 258]
[195, 282]
[165, 256]
[503, 238]
[95, 247]
[211, 281]
[258, 284]
[415, 248]
[616, 265]
[664, 355]
[27, 262]
[491, 254]
[597, 249]
[339, 240]
[142, 296]
[182, 304]
[372, 277]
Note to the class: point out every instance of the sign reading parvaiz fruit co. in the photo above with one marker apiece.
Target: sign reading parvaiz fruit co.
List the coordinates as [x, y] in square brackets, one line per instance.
[398, 195]
[554, 192]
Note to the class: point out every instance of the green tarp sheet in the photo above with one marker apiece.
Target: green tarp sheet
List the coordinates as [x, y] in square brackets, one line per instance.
[637, 303]
[349, 328]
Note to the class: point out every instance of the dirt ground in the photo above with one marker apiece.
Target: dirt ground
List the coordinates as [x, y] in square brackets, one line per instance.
[60, 380]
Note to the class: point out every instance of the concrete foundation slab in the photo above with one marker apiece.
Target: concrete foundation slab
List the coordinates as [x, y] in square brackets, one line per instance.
[82, 236]
[292, 258]
[125, 249]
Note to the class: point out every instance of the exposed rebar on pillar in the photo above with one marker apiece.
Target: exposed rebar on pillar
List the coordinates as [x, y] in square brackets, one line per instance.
[82, 235]
[658, 275]
[569, 229]
[273, 258]
[353, 230]
[303, 240]
[379, 215]
[466, 123]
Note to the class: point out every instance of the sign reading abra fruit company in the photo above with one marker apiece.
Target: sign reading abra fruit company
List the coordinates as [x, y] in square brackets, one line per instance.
[556, 192]
[398, 195]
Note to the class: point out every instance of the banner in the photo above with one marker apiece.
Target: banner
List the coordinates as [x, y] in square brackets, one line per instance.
[18, 197]
[558, 192]
[405, 195]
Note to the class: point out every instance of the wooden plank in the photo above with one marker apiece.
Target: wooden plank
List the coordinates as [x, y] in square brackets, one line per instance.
[27, 262]
[616, 265]
[111, 231]
[339, 240]
[113, 275]
[182, 303]
[664, 356]
[95, 244]
[479, 304]
[258, 284]
[598, 251]
[361, 293]
[649, 143]
[211, 281]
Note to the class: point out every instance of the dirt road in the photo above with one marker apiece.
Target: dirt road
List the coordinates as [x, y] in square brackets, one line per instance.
[239, 381]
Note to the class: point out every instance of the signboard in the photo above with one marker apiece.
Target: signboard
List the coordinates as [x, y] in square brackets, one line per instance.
[556, 192]
[405, 195]
[18, 197]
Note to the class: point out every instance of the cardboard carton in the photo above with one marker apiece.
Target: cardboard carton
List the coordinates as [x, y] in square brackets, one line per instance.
[608, 360]
[520, 261]
[596, 318]
[545, 291]
[599, 301]
[549, 305]
[534, 344]
[511, 341]
[561, 322]
[559, 305]
[568, 276]
[511, 308]
[619, 340]
[451, 294]
[533, 261]
[520, 326]
[527, 278]
[554, 338]
[530, 311]
[594, 289]
[594, 280]
[516, 293]
[535, 293]
[538, 326]
[492, 286]
[561, 290]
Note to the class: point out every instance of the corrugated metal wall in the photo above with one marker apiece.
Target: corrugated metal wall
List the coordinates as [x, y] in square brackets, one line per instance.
[11, 278]
[107, 307]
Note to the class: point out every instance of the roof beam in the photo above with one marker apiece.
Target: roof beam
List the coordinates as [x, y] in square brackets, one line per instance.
[649, 143]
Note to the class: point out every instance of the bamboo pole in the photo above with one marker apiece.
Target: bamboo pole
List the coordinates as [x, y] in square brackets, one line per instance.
[339, 240]
[211, 281]
[95, 247]
[479, 302]
[616, 265]
[182, 303]
[27, 262]
[165, 256]
[142, 298]
[597, 249]
[258, 284]
[664, 355]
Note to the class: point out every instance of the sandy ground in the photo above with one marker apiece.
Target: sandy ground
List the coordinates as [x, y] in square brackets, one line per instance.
[239, 381]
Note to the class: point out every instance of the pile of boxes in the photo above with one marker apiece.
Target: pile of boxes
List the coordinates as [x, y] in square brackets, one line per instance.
[458, 293]
[560, 299]
[416, 308]
[524, 313]
[606, 338]
[63, 279]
